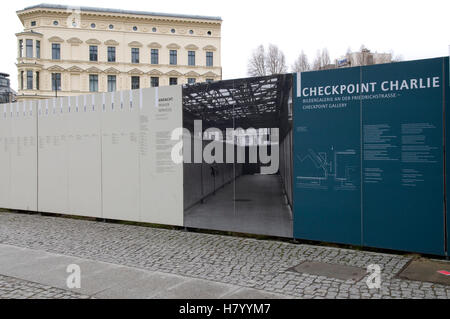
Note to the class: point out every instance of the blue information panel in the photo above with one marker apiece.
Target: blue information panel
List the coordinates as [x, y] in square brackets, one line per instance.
[447, 138]
[403, 172]
[369, 156]
[327, 157]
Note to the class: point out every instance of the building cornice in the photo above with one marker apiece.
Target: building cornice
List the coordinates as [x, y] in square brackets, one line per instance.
[135, 71]
[93, 41]
[56, 39]
[155, 72]
[173, 46]
[75, 69]
[112, 70]
[94, 69]
[74, 40]
[28, 33]
[174, 73]
[126, 64]
[111, 43]
[56, 68]
[155, 45]
[210, 74]
[117, 13]
[191, 47]
[192, 74]
[209, 48]
[135, 44]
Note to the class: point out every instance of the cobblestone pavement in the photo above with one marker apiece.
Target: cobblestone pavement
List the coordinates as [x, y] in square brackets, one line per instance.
[13, 288]
[258, 264]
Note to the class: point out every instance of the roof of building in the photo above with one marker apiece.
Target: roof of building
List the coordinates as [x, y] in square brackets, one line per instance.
[259, 102]
[120, 11]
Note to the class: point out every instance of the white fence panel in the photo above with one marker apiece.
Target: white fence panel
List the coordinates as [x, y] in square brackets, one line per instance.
[120, 157]
[161, 179]
[5, 156]
[84, 158]
[53, 157]
[23, 156]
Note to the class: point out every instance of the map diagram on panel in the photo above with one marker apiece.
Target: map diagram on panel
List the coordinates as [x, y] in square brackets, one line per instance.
[322, 170]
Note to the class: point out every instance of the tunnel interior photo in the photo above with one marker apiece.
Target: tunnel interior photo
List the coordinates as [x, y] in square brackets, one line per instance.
[245, 127]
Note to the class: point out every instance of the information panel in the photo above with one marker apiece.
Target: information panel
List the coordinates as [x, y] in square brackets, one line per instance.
[161, 179]
[447, 139]
[369, 156]
[403, 198]
[327, 147]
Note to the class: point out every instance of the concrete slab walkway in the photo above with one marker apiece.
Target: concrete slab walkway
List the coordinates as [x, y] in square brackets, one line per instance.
[254, 204]
[105, 280]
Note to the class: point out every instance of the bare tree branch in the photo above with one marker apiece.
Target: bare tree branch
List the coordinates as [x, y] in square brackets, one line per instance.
[257, 63]
[302, 63]
[321, 60]
[262, 63]
[325, 58]
[275, 61]
[317, 63]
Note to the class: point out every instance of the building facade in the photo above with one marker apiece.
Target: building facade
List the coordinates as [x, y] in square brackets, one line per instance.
[65, 51]
[363, 57]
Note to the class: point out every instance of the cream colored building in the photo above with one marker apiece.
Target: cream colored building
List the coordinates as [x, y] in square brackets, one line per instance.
[69, 51]
[363, 57]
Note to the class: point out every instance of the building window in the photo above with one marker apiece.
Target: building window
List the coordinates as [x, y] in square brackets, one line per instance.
[135, 82]
[93, 25]
[173, 81]
[209, 80]
[111, 54]
[111, 83]
[191, 31]
[20, 48]
[154, 82]
[135, 28]
[154, 56]
[134, 55]
[173, 57]
[55, 22]
[191, 80]
[56, 51]
[33, 23]
[191, 58]
[209, 33]
[154, 29]
[173, 30]
[37, 80]
[29, 80]
[209, 58]
[93, 83]
[111, 27]
[29, 45]
[21, 80]
[93, 53]
[38, 49]
[56, 81]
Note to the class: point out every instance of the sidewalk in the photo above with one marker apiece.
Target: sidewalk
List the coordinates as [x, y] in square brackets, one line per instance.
[38, 274]
[131, 261]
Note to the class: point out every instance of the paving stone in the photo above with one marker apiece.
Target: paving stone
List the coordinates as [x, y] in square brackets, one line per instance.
[13, 288]
[248, 263]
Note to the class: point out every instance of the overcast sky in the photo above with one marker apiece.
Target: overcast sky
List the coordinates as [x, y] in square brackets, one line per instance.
[413, 29]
